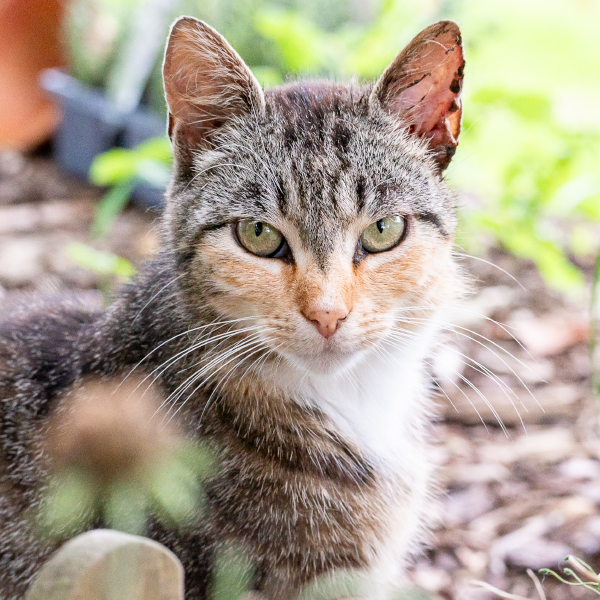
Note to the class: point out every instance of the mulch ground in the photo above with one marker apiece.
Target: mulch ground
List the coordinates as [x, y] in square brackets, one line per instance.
[522, 495]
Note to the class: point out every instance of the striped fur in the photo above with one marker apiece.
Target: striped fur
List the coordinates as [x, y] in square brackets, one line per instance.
[323, 441]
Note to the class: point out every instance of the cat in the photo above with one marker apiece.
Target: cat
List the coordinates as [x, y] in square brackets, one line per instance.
[306, 255]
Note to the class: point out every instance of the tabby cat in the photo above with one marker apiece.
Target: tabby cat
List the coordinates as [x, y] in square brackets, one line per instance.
[306, 256]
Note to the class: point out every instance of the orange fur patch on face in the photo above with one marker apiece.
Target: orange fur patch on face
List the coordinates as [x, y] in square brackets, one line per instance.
[419, 271]
[411, 280]
[329, 291]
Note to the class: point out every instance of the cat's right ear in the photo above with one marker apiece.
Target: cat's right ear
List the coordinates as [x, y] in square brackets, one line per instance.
[422, 88]
[206, 84]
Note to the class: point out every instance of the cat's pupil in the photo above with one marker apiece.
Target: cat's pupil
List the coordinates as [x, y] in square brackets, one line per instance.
[380, 225]
[258, 227]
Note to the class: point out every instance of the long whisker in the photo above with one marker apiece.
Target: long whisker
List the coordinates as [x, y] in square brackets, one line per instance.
[187, 332]
[211, 363]
[474, 364]
[236, 357]
[482, 316]
[504, 388]
[491, 264]
[403, 336]
[258, 360]
[175, 394]
[473, 337]
[466, 398]
[487, 402]
[186, 351]
[262, 346]
[162, 289]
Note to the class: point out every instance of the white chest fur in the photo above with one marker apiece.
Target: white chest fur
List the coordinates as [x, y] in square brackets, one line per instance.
[381, 403]
[381, 407]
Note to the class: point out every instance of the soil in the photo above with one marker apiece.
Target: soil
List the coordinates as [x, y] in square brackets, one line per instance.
[518, 495]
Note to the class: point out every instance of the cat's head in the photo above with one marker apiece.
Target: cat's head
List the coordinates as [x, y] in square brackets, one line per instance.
[314, 211]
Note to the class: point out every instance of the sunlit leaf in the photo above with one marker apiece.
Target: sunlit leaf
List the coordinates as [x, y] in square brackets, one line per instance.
[102, 263]
[233, 575]
[69, 503]
[113, 166]
[126, 507]
[110, 207]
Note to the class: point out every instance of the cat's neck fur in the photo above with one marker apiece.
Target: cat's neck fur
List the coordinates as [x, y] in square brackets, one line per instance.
[378, 404]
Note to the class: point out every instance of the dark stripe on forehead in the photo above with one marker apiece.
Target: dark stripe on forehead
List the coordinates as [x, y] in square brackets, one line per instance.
[360, 194]
[334, 188]
[281, 197]
[254, 193]
[341, 136]
[433, 219]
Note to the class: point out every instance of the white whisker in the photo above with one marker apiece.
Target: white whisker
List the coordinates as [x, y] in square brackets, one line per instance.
[487, 262]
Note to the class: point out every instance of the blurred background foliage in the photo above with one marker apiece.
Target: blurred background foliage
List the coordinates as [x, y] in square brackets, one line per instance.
[528, 165]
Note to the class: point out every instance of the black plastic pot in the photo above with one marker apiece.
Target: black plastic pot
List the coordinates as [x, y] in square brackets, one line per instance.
[91, 125]
[141, 125]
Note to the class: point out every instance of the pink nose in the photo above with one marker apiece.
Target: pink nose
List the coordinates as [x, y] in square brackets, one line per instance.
[327, 322]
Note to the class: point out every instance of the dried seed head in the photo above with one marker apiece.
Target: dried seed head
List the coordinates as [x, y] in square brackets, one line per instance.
[110, 428]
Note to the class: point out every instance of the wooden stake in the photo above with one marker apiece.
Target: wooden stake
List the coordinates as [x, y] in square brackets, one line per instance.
[110, 565]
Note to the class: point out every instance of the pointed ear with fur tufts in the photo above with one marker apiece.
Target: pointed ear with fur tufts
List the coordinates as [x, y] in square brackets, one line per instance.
[422, 87]
[206, 84]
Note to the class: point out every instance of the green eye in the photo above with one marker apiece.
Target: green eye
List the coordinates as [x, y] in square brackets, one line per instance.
[259, 238]
[383, 234]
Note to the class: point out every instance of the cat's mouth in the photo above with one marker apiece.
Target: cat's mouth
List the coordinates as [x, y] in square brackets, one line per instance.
[331, 357]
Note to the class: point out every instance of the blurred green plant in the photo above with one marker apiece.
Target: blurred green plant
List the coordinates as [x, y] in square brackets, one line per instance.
[234, 576]
[101, 263]
[110, 268]
[121, 170]
[171, 491]
[94, 32]
[532, 134]
[304, 47]
[590, 581]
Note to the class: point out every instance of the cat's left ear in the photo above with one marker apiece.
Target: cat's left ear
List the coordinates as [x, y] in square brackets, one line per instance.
[422, 87]
[207, 84]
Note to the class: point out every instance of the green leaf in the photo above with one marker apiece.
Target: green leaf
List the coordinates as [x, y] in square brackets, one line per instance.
[97, 261]
[110, 207]
[69, 503]
[127, 507]
[157, 149]
[177, 491]
[114, 166]
[153, 173]
[150, 160]
[233, 574]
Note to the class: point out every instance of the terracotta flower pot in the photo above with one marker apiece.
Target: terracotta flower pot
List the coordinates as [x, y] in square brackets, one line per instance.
[30, 40]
